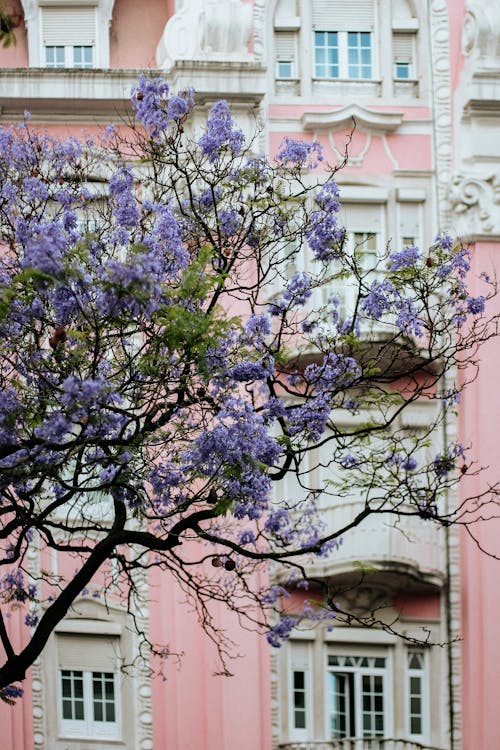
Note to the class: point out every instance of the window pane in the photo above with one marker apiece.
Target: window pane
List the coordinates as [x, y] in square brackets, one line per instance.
[54, 57]
[326, 54]
[299, 699]
[284, 69]
[83, 57]
[72, 695]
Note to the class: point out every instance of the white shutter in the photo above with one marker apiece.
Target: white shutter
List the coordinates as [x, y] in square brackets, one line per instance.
[409, 221]
[402, 48]
[343, 15]
[94, 653]
[285, 45]
[361, 217]
[69, 26]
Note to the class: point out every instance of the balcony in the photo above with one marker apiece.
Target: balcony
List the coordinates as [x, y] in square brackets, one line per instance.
[406, 545]
[357, 743]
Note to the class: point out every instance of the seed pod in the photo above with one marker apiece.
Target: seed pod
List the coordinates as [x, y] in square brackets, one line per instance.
[229, 564]
[216, 562]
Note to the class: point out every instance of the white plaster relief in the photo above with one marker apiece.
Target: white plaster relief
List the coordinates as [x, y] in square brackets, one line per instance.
[216, 30]
[476, 204]
[481, 31]
[440, 64]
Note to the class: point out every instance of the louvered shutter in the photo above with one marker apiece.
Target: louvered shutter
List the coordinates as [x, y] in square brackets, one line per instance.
[90, 653]
[402, 48]
[343, 15]
[285, 45]
[69, 26]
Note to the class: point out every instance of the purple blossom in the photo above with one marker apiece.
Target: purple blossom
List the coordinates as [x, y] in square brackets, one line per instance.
[247, 537]
[281, 632]
[31, 619]
[405, 258]
[336, 371]
[311, 417]
[299, 153]
[475, 305]
[246, 371]
[221, 133]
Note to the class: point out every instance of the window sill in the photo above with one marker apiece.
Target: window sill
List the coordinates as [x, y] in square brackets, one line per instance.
[347, 86]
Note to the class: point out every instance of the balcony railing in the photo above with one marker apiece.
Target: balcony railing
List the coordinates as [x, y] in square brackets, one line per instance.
[358, 743]
[407, 544]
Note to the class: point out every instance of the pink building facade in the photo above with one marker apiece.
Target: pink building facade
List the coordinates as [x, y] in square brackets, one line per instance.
[421, 81]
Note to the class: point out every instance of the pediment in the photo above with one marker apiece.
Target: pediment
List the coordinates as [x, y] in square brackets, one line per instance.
[364, 118]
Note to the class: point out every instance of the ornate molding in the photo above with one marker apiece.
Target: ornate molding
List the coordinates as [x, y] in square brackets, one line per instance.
[481, 32]
[475, 203]
[441, 88]
[364, 118]
[216, 30]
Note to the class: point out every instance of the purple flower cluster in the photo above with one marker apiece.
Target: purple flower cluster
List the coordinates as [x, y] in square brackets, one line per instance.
[405, 258]
[221, 133]
[125, 208]
[281, 632]
[297, 293]
[324, 235]
[155, 109]
[445, 462]
[311, 417]
[335, 372]
[237, 449]
[383, 297]
[299, 153]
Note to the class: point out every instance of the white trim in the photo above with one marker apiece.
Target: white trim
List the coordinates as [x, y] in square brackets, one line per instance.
[89, 627]
[88, 728]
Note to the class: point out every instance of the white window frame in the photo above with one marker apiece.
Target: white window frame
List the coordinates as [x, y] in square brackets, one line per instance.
[88, 727]
[424, 675]
[343, 55]
[299, 660]
[387, 671]
[69, 59]
[33, 18]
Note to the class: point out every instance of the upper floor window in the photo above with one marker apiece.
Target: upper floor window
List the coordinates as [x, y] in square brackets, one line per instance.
[69, 36]
[89, 694]
[343, 39]
[321, 46]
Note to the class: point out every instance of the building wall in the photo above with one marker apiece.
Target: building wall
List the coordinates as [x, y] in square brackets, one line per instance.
[425, 149]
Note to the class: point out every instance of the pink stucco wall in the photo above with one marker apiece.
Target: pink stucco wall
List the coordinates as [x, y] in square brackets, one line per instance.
[194, 707]
[135, 34]
[480, 548]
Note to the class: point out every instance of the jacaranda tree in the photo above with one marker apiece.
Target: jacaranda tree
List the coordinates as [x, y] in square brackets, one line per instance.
[166, 366]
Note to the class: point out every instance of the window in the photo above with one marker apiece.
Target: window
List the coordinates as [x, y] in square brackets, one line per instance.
[343, 39]
[357, 696]
[326, 53]
[89, 686]
[358, 683]
[365, 244]
[69, 57]
[285, 54]
[403, 56]
[416, 694]
[343, 54]
[69, 35]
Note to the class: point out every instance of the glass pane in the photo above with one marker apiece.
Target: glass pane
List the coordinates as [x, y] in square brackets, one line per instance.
[78, 687]
[98, 711]
[416, 725]
[415, 705]
[79, 715]
[110, 690]
[110, 712]
[67, 713]
[415, 660]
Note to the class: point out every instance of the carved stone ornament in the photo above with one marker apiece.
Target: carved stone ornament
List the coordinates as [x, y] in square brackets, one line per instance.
[481, 30]
[216, 30]
[475, 203]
